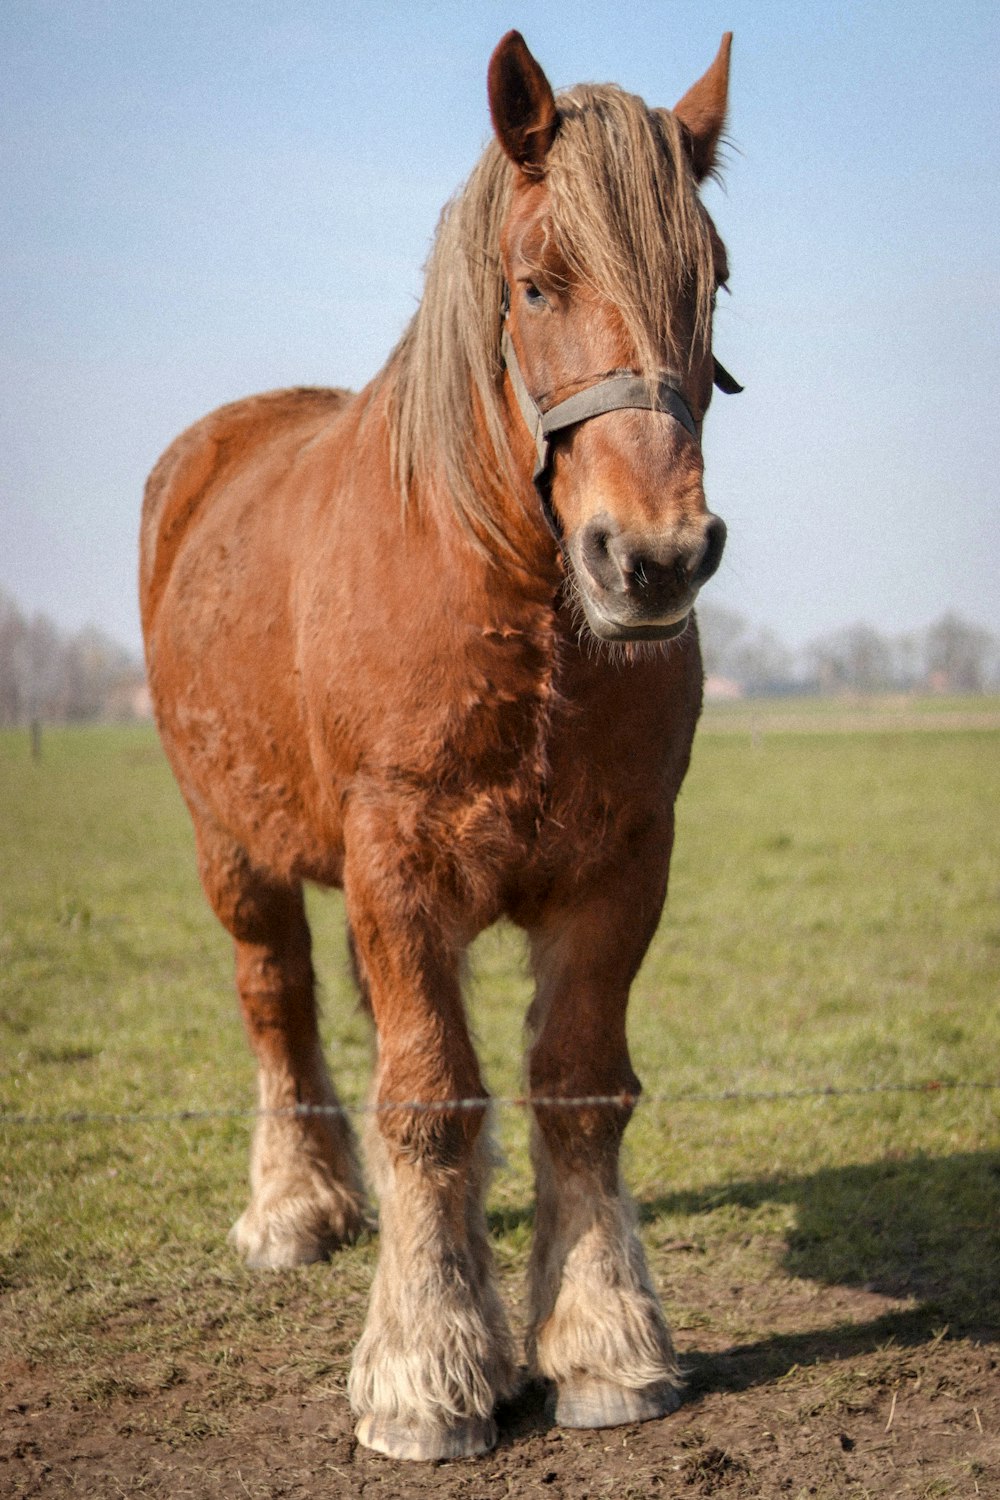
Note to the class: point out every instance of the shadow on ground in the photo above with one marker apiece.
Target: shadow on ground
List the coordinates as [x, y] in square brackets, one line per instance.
[923, 1229]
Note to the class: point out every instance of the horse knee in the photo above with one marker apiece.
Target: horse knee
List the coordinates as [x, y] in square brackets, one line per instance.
[426, 1134]
[578, 1132]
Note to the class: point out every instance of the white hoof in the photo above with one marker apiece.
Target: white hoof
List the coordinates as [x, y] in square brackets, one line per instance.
[586, 1402]
[427, 1441]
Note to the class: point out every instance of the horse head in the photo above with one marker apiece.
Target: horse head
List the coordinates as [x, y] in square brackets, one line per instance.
[611, 264]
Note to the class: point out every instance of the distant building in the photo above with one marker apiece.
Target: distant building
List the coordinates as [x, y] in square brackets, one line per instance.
[127, 699]
[723, 689]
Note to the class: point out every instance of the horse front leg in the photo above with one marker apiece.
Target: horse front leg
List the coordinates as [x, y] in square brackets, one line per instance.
[596, 1326]
[436, 1353]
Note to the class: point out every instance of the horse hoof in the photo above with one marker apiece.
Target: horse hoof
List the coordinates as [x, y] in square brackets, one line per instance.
[586, 1402]
[427, 1440]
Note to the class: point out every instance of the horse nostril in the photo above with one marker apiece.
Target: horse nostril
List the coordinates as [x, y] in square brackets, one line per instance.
[595, 553]
[715, 541]
[654, 571]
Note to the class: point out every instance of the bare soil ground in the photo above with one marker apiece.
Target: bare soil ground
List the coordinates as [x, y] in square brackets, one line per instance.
[837, 1392]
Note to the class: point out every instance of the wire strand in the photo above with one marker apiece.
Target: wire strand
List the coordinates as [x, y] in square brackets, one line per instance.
[518, 1101]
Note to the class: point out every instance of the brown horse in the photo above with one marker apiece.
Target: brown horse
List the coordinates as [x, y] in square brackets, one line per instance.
[375, 630]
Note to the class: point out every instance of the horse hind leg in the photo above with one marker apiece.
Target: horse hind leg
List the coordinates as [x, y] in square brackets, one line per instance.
[596, 1327]
[307, 1197]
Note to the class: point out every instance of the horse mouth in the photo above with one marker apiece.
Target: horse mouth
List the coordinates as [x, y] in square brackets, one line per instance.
[607, 629]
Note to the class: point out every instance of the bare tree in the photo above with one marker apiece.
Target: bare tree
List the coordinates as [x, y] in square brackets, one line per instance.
[719, 630]
[907, 660]
[958, 656]
[762, 662]
[751, 655]
[856, 659]
[45, 674]
[12, 634]
[44, 649]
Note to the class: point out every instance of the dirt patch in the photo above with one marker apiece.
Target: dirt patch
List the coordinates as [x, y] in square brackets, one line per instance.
[862, 1396]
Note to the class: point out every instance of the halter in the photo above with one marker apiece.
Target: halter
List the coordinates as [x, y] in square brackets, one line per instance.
[628, 391]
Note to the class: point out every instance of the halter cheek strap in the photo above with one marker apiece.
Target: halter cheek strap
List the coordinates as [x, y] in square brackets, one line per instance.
[723, 381]
[628, 391]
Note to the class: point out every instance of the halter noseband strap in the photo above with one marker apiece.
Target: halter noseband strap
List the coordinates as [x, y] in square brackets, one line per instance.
[627, 391]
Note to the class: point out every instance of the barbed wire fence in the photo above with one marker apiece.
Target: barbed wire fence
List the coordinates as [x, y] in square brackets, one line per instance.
[59, 1118]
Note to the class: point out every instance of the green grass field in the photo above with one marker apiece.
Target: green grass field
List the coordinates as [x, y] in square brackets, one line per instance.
[833, 922]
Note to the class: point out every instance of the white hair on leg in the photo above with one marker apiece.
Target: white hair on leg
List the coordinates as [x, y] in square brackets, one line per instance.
[597, 1328]
[307, 1196]
[436, 1353]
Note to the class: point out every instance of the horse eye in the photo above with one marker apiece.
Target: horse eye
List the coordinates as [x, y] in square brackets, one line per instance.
[533, 296]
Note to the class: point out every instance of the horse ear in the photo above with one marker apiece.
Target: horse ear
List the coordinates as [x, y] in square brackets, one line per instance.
[522, 105]
[702, 111]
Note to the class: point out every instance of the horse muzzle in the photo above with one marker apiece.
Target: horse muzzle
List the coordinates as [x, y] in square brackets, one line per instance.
[635, 586]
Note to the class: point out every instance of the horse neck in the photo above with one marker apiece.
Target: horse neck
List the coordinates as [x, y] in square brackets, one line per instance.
[532, 556]
[512, 556]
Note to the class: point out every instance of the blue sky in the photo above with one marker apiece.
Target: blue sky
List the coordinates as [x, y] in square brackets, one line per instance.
[205, 199]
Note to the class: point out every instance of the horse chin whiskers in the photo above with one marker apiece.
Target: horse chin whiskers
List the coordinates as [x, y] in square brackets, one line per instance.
[622, 653]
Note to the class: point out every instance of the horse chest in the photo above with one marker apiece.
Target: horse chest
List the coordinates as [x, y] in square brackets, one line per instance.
[540, 785]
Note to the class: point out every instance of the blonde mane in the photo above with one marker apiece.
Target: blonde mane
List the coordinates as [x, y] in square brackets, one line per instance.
[627, 218]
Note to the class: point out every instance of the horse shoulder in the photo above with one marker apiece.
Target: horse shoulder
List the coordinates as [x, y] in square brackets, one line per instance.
[197, 462]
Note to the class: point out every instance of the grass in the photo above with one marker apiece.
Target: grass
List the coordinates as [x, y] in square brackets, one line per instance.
[833, 921]
[850, 712]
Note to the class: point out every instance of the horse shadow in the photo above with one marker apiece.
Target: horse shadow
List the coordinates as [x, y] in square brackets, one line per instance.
[922, 1230]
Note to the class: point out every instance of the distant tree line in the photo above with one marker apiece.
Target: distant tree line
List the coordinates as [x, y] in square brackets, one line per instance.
[50, 675]
[950, 656]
